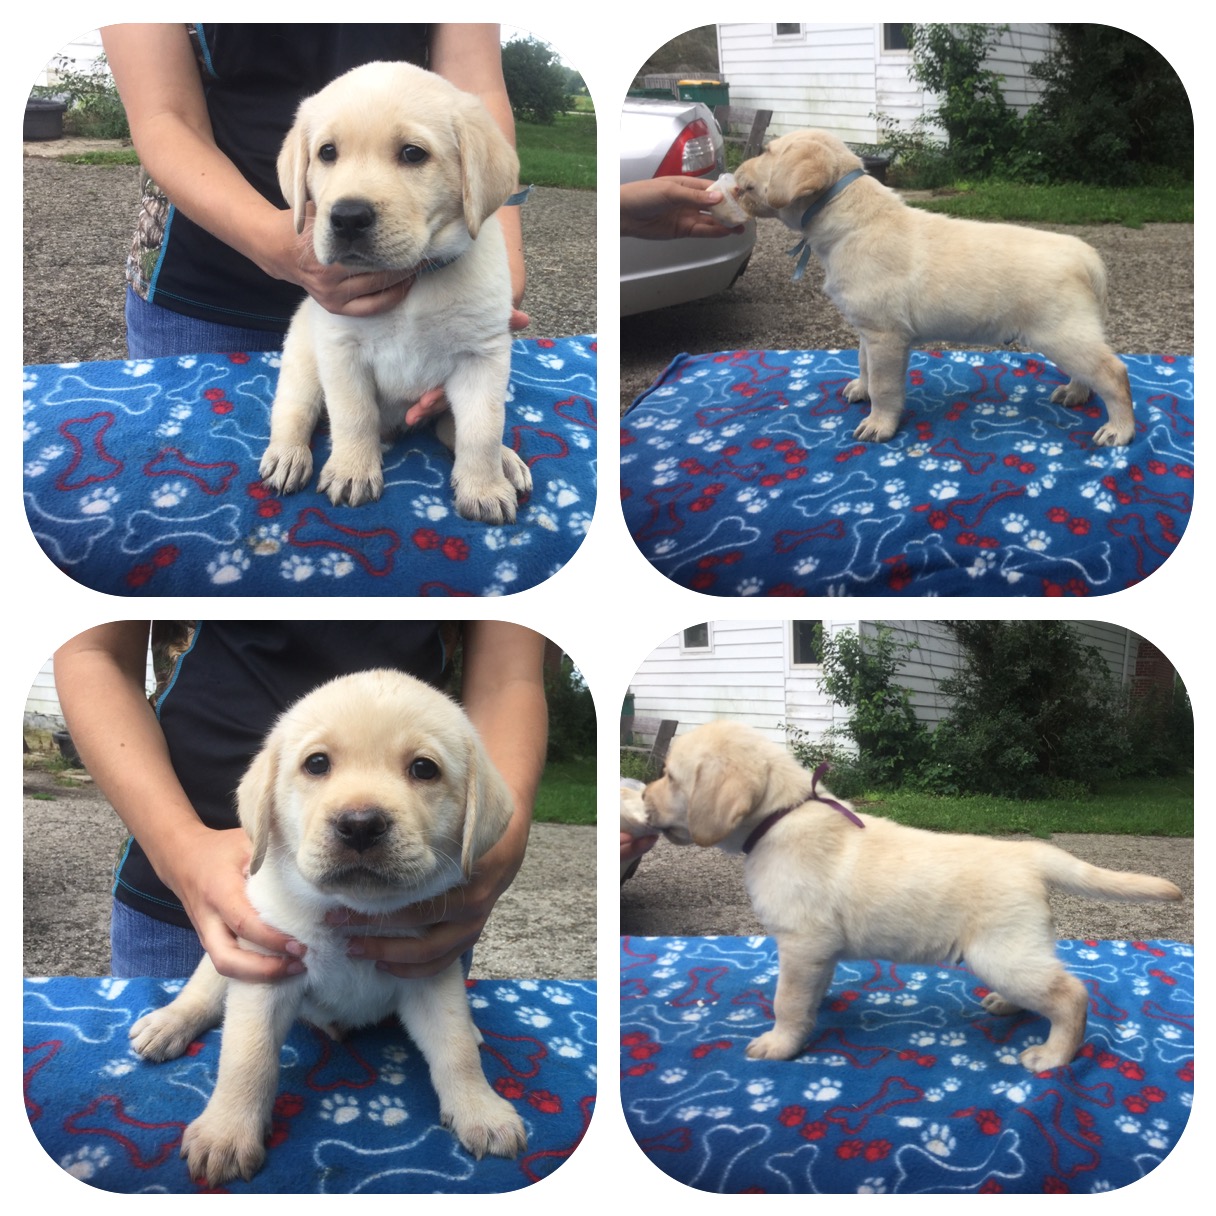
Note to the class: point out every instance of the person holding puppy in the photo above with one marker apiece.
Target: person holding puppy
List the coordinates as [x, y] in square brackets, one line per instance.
[216, 263]
[170, 773]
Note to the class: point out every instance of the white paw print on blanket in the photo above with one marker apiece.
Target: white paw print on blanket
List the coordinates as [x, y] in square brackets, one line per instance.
[297, 569]
[136, 367]
[99, 501]
[1016, 1091]
[749, 586]
[1128, 1125]
[1157, 1134]
[562, 494]
[169, 494]
[672, 1076]
[922, 1038]
[86, 1162]
[534, 1017]
[176, 416]
[340, 1109]
[943, 491]
[228, 566]
[337, 565]
[823, 1090]
[387, 1111]
[938, 1140]
[873, 1186]
[431, 508]
[567, 1048]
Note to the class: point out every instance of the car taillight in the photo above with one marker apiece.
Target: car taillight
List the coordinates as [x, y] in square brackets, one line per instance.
[692, 154]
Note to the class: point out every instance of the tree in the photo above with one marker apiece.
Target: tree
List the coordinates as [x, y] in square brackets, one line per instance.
[536, 80]
[1112, 110]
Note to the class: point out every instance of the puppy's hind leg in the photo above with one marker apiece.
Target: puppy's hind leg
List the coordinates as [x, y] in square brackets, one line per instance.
[802, 979]
[165, 1033]
[436, 1014]
[1043, 986]
[1096, 367]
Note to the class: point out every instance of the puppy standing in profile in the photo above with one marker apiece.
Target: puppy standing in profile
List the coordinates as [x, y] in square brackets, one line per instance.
[829, 884]
[406, 172]
[371, 793]
[903, 277]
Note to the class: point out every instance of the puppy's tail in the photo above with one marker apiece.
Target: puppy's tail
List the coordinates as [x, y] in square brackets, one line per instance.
[1063, 872]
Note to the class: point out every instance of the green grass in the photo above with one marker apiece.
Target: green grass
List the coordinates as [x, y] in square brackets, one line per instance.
[1144, 807]
[567, 793]
[1066, 204]
[119, 156]
[561, 155]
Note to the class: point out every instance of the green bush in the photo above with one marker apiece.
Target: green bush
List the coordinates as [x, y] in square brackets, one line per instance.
[1033, 711]
[571, 713]
[94, 108]
[536, 81]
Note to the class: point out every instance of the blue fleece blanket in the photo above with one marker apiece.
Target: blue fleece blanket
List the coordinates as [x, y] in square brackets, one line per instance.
[740, 476]
[141, 478]
[358, 1116]
[907, 1085]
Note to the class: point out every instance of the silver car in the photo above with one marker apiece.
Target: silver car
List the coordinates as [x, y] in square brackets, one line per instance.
[660, 138]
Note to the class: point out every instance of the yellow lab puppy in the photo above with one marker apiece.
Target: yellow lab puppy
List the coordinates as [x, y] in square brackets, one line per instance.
[830, 884]
[903, 277]
[406, 172]
[371, 793]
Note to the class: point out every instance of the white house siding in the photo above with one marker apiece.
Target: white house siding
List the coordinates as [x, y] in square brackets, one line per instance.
[748, 674]
[42, 710]
[836, 76]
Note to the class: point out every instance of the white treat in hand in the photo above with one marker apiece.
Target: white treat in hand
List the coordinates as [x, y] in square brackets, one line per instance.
[728, 211]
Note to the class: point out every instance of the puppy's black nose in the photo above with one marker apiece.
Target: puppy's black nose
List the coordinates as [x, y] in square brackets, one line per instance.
[350, 218]
[362, 829]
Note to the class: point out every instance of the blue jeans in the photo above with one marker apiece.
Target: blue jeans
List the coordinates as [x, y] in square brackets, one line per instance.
[153, 331]
[142, 945]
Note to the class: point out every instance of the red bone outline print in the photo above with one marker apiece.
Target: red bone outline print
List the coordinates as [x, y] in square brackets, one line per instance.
[225, 471]
[84, 446]
[313, 529]
[123, 1128]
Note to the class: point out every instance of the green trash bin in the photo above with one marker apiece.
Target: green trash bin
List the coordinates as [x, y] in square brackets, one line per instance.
[711, 92]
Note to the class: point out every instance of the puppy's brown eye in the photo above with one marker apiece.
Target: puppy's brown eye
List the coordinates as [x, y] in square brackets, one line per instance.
[328, 153]
[317, 765]
[411, 154]
[424, 769]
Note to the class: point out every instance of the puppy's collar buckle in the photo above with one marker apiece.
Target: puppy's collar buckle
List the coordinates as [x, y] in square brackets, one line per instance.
[769, 820]
[802, 250]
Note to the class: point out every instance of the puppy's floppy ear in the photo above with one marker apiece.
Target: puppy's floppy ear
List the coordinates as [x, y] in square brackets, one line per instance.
[488, 806]
[802, 168]
[721, 797]
[293, 168]
[489, 167]
[255, 799]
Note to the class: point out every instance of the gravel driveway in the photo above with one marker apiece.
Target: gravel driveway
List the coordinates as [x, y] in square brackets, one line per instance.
[1152, 304]
[79, 219]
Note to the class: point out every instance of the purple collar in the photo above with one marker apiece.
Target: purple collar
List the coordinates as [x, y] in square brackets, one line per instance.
[768, 821]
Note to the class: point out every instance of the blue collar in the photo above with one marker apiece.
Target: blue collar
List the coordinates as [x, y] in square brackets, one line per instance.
[802, 249]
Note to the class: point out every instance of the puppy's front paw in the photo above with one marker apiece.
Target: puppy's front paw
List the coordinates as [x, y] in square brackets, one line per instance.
[1111, 436]
[285, 469]
[773, 1045]
[487, 1123]
[351, 481]
[218, 1148]
[1041, 1059]
[876, 429]
[161, 1035]
[516, 471]
[491, 502]
[855, 391]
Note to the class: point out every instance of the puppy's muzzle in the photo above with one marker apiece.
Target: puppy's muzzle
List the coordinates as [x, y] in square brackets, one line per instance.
[361, 829]
[351, 220]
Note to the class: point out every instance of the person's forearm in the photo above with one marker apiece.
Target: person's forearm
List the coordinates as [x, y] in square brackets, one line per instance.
[99, 676]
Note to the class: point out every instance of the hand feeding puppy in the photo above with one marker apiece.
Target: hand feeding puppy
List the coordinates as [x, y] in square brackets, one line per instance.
[901, 276]
[371, 793]
[406, 172]
[829, 885]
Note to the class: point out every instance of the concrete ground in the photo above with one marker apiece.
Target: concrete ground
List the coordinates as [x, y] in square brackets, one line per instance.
[543, 926]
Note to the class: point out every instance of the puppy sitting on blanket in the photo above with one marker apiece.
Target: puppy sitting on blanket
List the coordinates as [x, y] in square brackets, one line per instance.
[830, 884]
[901, 276]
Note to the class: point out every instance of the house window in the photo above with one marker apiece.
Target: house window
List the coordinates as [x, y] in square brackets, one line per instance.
[788, 29]
[696, 637]
[806, 643]
[894, 37]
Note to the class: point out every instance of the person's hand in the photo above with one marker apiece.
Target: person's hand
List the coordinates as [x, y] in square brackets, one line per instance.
[447, 925]
[635, 846]
[663, 208]
[211, 887]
